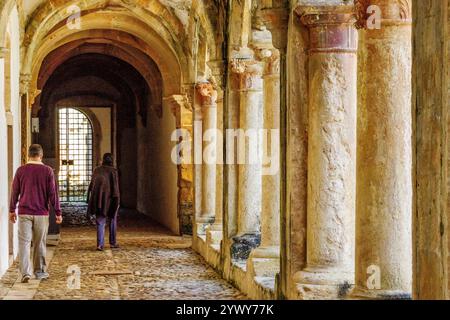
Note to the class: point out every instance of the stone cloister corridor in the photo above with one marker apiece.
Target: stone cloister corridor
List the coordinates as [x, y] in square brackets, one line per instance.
[265, 149]
[152, 264]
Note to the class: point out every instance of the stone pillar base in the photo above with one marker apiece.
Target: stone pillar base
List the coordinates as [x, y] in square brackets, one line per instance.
[216, 226]
[264, 262]
[214, 234]
[202, 223]
[322, 292]
[243, 245]
[324, 283]
[361, 294]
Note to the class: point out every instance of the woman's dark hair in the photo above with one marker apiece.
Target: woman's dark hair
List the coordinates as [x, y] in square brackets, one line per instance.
[108, 159]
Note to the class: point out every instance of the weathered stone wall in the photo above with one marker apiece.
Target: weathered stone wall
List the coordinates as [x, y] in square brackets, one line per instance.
[157, 177]
[9, 126]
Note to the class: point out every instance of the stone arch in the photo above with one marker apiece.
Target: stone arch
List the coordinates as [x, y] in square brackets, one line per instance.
[122, 51]
[59, 88]
[6, 9]
[170, 20]
[171, 76]
[126, 54]
[146, 35]
[163, 56]
[154, 37]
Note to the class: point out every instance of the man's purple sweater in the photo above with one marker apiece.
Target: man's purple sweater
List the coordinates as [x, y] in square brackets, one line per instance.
[34, 187]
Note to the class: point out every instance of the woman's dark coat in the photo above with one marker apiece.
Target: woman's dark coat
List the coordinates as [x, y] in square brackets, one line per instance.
[103, 192]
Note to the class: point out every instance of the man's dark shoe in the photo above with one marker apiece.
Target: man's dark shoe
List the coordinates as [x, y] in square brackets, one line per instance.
[26, 278]
[114, 246]
[41, 275]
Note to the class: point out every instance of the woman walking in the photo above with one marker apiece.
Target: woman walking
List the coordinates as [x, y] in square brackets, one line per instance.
[104, 199]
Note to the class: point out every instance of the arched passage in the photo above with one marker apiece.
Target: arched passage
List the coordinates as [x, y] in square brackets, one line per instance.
[116, 91]
[133, 66]
[117, 67]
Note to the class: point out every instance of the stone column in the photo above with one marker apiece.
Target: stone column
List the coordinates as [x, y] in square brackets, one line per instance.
[198, 161]
[275, 16]
[208, 102]
[266, 258]
[249, 183]
[182, 111]
[214, 233]
[331, 152]
[384, 168]
[25, 107]
[270, 222]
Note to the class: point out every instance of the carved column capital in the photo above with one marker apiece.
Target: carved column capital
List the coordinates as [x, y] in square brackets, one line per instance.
[207, 93]
[331, 28]
[248, 73]
[390, 12]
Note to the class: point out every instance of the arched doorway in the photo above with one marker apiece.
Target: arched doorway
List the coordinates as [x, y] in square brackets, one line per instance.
[75, 154]
[139, 70]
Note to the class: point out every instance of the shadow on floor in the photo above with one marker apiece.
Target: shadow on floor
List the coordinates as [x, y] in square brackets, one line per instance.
[75, 215]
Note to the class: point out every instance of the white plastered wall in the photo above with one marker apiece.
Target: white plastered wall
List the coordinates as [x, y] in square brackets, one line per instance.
[158, 184]
[13, 119]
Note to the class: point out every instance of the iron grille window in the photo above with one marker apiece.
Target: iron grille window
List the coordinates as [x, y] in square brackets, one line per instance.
[75, 154]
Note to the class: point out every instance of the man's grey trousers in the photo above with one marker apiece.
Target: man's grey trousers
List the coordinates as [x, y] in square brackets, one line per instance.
[32, 229]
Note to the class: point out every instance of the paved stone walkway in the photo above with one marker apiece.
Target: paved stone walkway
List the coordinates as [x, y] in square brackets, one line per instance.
[151, 264]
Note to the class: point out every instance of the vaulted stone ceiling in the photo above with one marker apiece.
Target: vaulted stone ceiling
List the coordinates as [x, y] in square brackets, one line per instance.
[156, 37]
[181, 8]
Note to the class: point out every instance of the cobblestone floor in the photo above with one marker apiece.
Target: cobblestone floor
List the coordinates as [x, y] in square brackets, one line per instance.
[153, 263]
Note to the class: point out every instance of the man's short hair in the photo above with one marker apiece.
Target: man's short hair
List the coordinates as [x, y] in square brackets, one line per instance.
[35, 150]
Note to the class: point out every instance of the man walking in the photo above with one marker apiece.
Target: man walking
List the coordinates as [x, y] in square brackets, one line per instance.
[104, 199]
[34, 188]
